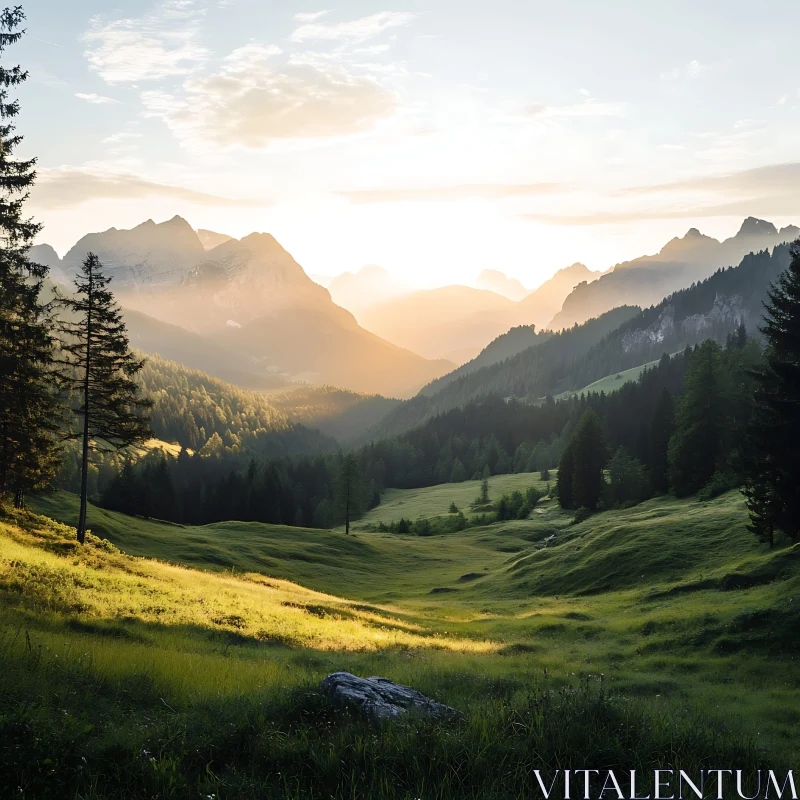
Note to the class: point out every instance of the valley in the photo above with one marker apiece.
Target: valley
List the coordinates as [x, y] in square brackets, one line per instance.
[660, 600]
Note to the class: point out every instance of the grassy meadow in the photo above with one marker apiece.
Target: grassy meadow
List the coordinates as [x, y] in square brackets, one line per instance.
[169, 661]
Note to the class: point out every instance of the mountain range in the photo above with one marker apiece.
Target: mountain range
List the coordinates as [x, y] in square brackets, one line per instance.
[243, 310]
[500, 283]
[528, 366]
[681, 262]
[457, 322]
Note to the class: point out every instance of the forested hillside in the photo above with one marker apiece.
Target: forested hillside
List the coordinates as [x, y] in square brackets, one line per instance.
[340, 413]
[202, 413]
[530, 374]
[706, 310]
[505, 346]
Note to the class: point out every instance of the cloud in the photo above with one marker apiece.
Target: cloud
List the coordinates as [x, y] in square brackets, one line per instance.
[481, 191]
[67, 187]
[164, 42]
[763, 191]
[589, 108]
[117, 138]
[763, 207]
[97, 99]
[355, 30]
[771, 179]
[250, 103]
[310, 16]
[694, 69]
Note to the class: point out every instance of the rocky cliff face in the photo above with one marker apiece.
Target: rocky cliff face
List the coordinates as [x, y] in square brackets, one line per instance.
[727, 312]
[148, 257]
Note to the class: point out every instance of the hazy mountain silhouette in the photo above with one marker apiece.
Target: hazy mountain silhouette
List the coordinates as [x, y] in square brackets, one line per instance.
[249, 298]
[44, 254]
[546, 301]
[457, 322]
[444, 322]
[500, 283]
[367, 287]
[681, 262]
[211, 239]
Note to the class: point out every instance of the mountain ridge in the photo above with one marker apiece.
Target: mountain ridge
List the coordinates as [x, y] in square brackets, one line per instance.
[680, 262]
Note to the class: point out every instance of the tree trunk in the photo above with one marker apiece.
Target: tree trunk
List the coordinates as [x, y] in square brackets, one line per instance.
[84, 468]
[347, 508]
[19, 499]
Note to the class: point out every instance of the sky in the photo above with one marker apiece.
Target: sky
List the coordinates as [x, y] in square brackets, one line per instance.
[435, 138]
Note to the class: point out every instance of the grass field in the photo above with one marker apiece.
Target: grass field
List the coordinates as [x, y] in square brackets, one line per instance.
[435, 501]
[662, 634]
[611, 382]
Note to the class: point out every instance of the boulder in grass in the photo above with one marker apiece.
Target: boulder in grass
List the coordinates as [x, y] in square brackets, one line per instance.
[381, 699]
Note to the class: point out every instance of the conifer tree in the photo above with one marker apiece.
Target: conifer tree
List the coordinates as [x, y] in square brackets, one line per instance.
[590, 455]
[696, 447]
[30, 412]
[662, 426]
[566, 469]
[349, 491]
[100, 370]
[772, 457]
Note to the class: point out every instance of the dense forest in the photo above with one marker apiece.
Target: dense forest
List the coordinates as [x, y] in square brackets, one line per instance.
[341, 413]
[485, 438]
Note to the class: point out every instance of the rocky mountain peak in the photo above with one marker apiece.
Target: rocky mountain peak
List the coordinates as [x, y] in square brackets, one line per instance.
[757, 227]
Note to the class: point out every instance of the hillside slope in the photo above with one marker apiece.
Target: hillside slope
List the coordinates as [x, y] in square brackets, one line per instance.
[191, 408]
[532, 373]
[340, 413]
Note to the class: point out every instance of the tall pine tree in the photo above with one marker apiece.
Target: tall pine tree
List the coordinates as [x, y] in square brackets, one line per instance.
[590, 455]
[662, 426]
[100, 370]
[349, 491]
[30, 418]
[772, 454]
[696, 448]
[566, 469]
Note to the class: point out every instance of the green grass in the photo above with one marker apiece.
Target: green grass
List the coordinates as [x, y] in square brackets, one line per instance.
[610, 383]
[200, 675]
[435, 501]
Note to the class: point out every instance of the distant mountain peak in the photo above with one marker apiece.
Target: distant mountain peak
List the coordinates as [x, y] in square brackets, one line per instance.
[212, 239]
[791, 232]
[692, 233]
[373, 270]
[260, 239]
[757, 227]
[177, 220]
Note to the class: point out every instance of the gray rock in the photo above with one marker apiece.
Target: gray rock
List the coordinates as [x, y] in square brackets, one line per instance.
[381, 699]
